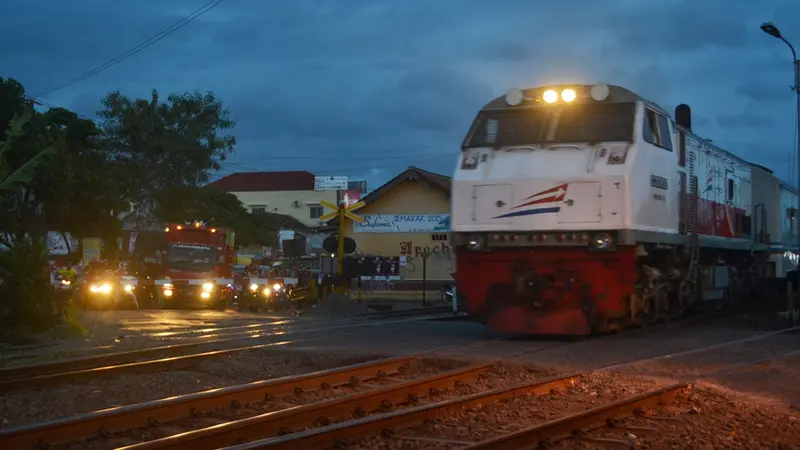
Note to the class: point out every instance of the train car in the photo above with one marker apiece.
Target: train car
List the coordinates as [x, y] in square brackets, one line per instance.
[581, 208]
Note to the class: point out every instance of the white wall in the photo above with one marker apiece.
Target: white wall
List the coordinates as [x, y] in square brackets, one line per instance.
[283, 202]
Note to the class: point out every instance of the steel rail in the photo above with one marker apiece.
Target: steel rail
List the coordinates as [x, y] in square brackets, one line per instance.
[338, 433]
[319, 413]
[14, 376]
[595, 418]
[173, 408]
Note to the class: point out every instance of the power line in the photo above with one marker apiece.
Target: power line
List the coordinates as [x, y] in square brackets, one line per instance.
[248, 169]
[143, 45]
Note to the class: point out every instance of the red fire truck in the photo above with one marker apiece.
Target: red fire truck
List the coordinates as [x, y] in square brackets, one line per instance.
[197, 266]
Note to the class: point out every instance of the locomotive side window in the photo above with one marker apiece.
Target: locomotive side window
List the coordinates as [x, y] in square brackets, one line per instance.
[730, 189]
[663, 130]
[655, 129]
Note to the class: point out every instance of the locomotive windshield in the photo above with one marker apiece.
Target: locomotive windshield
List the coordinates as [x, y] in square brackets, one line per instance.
[574, 123]
[193, 257]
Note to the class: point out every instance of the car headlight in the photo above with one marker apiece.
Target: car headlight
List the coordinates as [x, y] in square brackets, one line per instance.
[208, 286]
[475, 242]
[128, 288]
[205, 295]
[601, 241]
[253, 287]
[276, 287]
[66, 282]
[266, 291]
[104, 288]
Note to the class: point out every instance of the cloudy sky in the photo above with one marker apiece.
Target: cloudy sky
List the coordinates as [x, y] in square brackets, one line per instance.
[365, 88]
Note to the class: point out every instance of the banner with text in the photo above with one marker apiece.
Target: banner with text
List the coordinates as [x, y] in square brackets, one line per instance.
[403, 223]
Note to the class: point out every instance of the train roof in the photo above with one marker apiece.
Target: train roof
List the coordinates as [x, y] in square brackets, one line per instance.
[617, 94]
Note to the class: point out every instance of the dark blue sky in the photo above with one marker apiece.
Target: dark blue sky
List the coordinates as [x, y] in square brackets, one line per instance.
[365, 88]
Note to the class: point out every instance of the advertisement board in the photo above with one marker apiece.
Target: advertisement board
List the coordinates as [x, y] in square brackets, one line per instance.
[403, 223]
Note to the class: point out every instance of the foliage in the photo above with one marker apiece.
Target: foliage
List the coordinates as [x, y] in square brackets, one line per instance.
[164, 146]
[61, 172]
[217, 207]
[11, 178]
[25, 288]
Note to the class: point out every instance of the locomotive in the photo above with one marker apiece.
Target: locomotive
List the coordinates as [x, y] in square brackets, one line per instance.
[583, 208]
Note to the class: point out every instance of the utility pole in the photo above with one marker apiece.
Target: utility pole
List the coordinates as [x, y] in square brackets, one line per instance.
[772, 30]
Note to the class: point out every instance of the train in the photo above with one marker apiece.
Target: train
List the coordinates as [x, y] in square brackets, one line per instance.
[578, 209]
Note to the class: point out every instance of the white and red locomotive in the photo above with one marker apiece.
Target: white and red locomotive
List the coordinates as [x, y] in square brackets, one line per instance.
[587, 207]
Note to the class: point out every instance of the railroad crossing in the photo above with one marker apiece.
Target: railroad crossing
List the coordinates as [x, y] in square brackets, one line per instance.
[342, 211]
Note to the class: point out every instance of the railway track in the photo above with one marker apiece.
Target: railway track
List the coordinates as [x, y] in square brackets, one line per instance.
[199, 336]
[345, 406]
[35, 375]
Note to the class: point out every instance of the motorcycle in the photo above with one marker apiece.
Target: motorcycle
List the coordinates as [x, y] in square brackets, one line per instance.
[260, 295]
[65, 288]
[107, 291]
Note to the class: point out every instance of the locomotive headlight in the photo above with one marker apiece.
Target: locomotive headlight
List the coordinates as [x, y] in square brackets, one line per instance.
[475, 242]
[601, 241]
[208, 287]
[470, 161]
[568, 95]
[617, 157]
[550, 96]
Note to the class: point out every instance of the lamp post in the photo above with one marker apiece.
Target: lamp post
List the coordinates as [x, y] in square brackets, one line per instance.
[772, 30]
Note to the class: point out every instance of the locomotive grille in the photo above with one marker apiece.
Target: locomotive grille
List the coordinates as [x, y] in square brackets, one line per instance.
[691, 207]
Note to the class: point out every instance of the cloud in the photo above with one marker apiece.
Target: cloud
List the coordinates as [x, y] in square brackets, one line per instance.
[743, 120]
[367, 87]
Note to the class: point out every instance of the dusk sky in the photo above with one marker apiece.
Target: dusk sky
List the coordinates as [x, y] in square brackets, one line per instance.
[365, 88]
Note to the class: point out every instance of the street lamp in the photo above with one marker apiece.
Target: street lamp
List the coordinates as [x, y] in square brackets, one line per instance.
[772, 30]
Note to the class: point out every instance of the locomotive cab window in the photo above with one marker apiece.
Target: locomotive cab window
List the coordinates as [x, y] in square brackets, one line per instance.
[730, 189]
[655, 129]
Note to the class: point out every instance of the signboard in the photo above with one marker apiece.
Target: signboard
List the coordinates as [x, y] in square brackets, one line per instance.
[92, 249]
[360, 186]
[330, 183]
[351, 197]
[403, 223]
[57, 246]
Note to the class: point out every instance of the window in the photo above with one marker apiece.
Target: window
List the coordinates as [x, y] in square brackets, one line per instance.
[315, 212]
[730, 189]
[552, 125]
[439, 237]
[655, 129]
[258, 209]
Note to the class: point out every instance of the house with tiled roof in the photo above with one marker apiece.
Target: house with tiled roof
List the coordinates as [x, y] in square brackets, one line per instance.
[289, 193]
[405, 218]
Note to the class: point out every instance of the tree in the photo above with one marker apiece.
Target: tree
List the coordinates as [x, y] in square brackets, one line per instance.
[216, 207]
[164, 146]
[26, 147]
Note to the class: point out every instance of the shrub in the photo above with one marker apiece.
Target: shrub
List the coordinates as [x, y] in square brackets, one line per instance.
[26, 296]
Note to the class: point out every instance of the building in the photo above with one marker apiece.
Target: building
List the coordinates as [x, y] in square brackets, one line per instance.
[404, 218]
[285, 228]
[291, 193]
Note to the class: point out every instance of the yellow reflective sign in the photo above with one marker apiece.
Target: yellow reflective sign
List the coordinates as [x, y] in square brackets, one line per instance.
[329, 205]
[328, 216]
[352, 216]
[355, 206]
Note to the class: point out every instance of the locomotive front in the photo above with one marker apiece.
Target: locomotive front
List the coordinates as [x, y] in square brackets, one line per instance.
[540, 206]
